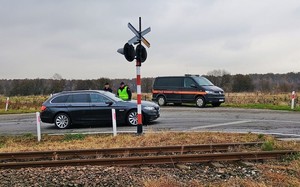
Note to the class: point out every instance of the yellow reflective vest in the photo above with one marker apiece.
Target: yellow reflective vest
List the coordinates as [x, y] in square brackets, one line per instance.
[123, 93]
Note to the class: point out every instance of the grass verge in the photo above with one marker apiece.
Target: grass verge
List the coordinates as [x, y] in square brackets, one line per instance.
[28, 142]
[261, 106]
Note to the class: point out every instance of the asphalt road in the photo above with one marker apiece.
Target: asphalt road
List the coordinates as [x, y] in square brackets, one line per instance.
[183, 119]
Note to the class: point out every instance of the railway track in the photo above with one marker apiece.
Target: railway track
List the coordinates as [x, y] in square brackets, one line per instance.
[184, 156]
[62, 154]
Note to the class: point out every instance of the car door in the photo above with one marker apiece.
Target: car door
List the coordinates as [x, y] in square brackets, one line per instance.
[100, 108]
[78, 105]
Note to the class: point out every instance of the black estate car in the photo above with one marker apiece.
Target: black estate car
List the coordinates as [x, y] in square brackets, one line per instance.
[93, 106]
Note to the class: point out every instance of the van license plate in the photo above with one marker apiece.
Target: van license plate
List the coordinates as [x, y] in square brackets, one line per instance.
[221, 100]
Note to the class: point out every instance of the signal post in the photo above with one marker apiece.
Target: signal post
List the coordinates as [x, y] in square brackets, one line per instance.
[140, 54]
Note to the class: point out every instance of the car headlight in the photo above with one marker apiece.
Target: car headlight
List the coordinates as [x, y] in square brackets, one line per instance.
[149, 108]
[209, 92]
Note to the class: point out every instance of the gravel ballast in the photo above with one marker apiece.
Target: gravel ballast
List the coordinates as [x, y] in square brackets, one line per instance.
[125, 176]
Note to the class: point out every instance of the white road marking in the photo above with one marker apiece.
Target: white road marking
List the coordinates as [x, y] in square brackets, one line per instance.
[220, 124]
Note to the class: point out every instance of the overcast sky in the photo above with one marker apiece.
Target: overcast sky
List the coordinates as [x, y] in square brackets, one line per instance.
[78, 39]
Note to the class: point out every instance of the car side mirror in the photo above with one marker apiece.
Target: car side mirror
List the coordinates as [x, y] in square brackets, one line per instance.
[193, 86]
[109, 103]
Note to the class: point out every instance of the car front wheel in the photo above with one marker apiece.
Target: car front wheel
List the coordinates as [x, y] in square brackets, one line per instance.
[62, 121]
[132, 117]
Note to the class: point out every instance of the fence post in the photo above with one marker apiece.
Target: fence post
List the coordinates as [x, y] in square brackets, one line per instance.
[113, 113]
[38, 126]
[6, 105]
[293, 100]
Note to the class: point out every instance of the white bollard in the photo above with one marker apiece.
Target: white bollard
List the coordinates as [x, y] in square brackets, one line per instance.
[7, 101]
[293, 100]
[38, 126]
[113, 113]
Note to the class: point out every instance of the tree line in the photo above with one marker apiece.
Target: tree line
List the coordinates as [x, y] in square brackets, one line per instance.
[267, 83]
[274, 83]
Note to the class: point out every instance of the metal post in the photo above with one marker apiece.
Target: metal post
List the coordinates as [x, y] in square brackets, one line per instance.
[114, 118]
[139, 101]
[293, 100]
[138, 87]
[6, 105]
[38, 126]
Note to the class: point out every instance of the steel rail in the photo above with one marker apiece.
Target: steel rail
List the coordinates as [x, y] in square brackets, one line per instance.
[124, 151]
[169, 159]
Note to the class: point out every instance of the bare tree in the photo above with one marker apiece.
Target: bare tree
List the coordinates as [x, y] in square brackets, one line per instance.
[218, 73]
[56, 76]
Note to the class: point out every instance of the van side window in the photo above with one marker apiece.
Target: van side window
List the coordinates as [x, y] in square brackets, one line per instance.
[162, 82]
[176, 82]
[188, 82]
[170, 82]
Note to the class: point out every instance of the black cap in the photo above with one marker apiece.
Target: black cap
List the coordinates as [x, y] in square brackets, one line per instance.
[122, 83]
[106, 83]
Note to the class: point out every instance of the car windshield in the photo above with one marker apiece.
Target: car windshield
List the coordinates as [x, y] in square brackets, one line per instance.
[202, 81]
[112, 96]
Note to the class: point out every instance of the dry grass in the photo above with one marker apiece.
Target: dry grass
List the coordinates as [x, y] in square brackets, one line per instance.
[29, 143]
[258, 98]
[247, 98]
[23, 103]
[33, 103]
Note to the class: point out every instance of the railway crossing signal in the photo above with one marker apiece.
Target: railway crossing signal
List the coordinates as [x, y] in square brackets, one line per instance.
[140, 54]
[128, 51]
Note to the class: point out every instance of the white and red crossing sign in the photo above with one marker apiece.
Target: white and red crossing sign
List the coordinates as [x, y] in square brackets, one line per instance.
[138, 36]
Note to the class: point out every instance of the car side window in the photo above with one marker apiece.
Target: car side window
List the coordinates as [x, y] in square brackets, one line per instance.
[60, 99]
[79, 98]
[97, 98]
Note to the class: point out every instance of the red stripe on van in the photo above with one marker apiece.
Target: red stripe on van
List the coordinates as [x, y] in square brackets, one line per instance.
[177, 92]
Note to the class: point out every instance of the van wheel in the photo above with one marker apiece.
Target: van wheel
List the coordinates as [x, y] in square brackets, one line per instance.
[200, 102]
[62, 121]
[161, 100]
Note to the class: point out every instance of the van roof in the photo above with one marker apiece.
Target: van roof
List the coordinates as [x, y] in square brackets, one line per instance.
[190, 75]
[179, 76]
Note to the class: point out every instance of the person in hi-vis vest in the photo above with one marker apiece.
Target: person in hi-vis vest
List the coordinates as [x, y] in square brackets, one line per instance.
[124, 92]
